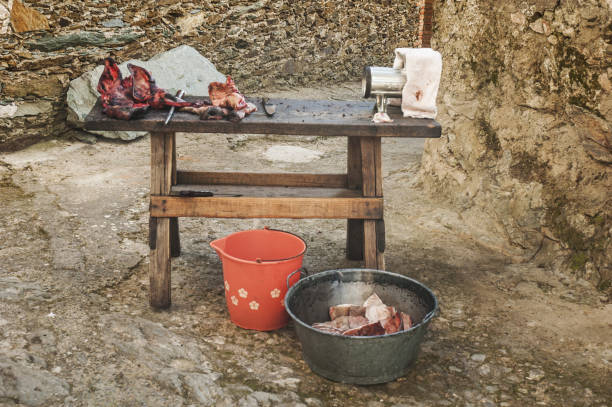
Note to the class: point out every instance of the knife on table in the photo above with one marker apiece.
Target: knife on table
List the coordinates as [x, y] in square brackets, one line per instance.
[179, 95]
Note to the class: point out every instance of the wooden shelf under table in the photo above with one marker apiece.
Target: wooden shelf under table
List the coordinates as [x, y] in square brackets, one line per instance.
[267, 202]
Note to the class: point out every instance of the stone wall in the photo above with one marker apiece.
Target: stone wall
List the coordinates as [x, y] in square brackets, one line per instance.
[526, 109]
[260, 44]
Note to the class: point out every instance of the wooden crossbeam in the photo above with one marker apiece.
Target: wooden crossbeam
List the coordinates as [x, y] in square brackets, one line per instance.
[249, 207]
[262, 179]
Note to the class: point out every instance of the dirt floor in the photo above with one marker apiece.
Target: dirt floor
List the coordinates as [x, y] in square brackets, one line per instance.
[76, 328]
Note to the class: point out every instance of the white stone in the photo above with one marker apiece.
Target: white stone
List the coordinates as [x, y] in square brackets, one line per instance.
[478, 357]
[484, 370]
[518, 18]
[537, 26]
[179, 68]
[8, 111]
[604, 82]
[5, 20]
[33, 108]
[291, 154]
[536, 375]
[204, 387]
[189, 23]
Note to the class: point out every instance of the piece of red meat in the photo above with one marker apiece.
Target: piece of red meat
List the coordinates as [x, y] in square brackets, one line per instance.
[145, 90]
[124, 98]
[110, 79]
[344, 322]
[346, 309]
[143, 85]
[373, 318]
[327, 328]
[226, 95]
[226, 102]
[406, 321]
[208, 112]
[393, 324]
[116, 93]
[373, 329]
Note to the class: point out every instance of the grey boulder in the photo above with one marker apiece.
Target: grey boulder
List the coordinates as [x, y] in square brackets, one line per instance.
[30, 386]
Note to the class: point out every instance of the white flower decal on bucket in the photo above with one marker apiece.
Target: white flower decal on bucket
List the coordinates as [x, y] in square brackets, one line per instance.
[226, 285]
[234, 300]
[254, 305]
[275, 293]
[243, 293]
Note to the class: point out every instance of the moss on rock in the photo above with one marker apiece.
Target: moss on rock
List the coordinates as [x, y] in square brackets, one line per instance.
[489, 137]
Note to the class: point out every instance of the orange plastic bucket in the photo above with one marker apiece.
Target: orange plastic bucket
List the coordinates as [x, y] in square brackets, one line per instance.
[256, 265]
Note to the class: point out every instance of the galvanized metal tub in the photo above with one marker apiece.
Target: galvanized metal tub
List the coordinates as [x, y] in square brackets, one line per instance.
[366, 359]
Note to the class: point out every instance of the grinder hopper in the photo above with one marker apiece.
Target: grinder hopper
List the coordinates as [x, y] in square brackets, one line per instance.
[383, 83]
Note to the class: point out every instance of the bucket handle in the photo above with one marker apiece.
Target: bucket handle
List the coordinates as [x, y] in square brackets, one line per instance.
[260, 260]
[293, 272]
[432, 313]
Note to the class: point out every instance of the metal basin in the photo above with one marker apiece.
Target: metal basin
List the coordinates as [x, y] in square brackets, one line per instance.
[366, 359]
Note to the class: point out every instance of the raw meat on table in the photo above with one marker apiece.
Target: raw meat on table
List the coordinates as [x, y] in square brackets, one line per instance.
[125, 98]
[116, 93]
[226, 95]
[226, 102]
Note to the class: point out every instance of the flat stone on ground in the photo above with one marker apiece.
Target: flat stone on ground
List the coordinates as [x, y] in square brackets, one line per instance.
[291, 154]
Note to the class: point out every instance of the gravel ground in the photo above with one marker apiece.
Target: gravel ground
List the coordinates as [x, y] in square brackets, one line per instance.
[76, 328]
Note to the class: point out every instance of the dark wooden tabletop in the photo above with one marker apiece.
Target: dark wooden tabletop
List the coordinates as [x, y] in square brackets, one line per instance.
[293, 117]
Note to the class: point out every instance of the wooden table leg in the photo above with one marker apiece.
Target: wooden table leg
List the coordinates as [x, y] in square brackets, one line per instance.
[159, 228]
[371, 173]
[175, 240]
[354, 227]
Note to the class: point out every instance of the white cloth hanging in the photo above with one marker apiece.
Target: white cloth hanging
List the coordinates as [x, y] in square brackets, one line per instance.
[422, 68]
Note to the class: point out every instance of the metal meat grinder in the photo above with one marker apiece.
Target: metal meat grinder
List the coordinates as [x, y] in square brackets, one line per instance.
[383, 83]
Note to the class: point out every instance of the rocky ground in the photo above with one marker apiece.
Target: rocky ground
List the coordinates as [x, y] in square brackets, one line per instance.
[76, 328]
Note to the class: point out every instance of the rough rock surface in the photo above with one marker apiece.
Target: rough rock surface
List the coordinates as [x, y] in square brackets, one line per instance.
[25, 18]
[168, 70]
[31, 386]
[260, 44]
[526, 111]
[75, 321]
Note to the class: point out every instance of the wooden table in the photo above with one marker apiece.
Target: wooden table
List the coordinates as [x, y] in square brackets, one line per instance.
[356, 196]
